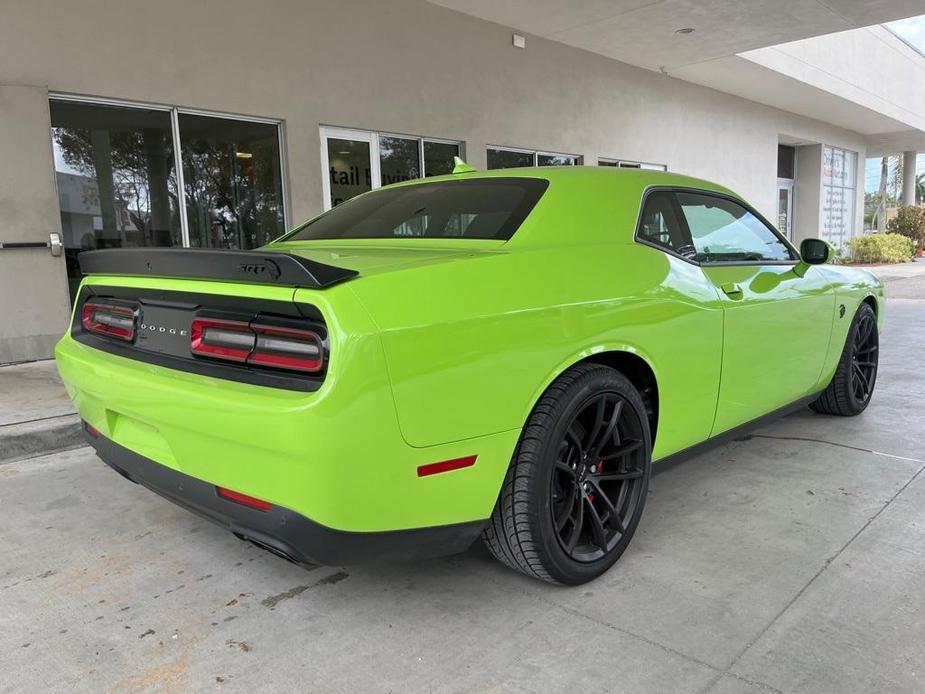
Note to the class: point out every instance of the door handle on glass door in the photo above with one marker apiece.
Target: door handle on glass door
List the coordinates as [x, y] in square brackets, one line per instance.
[732, 290]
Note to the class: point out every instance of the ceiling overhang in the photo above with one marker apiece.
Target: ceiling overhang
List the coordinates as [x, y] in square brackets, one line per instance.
[643, 32]
[723, 52]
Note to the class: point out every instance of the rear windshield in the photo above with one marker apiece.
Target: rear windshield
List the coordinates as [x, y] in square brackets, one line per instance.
[485, 208]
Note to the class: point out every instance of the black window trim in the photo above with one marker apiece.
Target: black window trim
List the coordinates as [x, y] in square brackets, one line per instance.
[683, 220]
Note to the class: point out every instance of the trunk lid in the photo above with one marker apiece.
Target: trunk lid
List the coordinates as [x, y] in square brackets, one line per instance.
[375, 257]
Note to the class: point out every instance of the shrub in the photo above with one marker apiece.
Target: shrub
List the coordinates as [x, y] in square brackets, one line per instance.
[910, 222]
[881, 248]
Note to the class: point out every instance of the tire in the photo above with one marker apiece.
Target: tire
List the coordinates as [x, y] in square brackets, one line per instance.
[852, 386]
[567, 473]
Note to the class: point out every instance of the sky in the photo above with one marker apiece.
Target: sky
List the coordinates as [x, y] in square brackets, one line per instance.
[912, 30]
[872, 172]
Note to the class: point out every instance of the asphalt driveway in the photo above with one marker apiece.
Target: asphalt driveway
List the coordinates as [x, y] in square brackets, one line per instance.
[792, 560]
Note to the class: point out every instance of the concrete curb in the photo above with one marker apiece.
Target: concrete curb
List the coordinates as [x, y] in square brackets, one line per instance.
[38, 437]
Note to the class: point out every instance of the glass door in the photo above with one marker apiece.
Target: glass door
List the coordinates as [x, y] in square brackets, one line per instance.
[347, 156]
[785, 207]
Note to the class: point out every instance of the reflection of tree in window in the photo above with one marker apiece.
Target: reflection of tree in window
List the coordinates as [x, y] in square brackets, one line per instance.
[438, 157]
[232, 182]
[128, 176]
[399, 159]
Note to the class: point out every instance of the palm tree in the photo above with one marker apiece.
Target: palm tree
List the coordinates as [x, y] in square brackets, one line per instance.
[920, 189]
[881, 194]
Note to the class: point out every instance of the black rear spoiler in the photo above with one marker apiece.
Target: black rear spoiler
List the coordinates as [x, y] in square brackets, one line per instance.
[234, 266]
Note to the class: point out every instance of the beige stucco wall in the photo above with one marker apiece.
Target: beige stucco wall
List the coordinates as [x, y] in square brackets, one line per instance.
[404, 66]
[33, 290]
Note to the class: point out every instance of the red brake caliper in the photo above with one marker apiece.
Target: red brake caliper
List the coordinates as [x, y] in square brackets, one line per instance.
[600, 467]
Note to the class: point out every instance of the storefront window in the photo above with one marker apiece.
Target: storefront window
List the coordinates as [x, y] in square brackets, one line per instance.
[399, 159]
[839, 172]
[508, 159]
[360, 160]
[438, 157]
[118, 185]
[504, 158]
[232, 181]
[557, 159]
[627, 164]
[116, 179]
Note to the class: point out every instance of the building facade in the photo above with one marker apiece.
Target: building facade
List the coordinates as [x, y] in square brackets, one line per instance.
[212, 124]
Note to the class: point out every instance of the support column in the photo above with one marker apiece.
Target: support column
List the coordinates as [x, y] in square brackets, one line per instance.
[909, 178]
[33, 283]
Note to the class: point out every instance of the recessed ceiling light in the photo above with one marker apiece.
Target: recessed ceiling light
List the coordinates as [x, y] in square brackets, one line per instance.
[685, 30]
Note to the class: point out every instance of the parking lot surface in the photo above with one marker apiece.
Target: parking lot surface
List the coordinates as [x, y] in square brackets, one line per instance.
[790, 560]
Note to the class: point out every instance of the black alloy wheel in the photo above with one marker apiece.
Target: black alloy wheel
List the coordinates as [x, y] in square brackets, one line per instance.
[864, 357]
[598, 476]
[852, 386]
[577, 484]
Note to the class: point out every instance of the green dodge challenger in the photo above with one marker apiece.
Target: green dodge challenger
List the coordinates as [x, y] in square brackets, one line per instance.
[501, 354]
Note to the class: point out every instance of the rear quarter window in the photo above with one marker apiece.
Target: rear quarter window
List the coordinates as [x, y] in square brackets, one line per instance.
[485, 208]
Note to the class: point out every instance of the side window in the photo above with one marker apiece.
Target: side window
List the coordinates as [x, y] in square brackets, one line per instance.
[660, 226]
[724, 231]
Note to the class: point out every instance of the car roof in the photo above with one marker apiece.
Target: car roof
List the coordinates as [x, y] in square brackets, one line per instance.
[584, 204]
[634, 177]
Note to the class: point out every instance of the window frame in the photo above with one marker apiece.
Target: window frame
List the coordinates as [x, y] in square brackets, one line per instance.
[372, 137]
[175, 112]
[674, 190]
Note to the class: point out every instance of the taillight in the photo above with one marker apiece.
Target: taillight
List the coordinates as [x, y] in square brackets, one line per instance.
[286, 348]
[223, 339]
[109, 319]
[274, 346]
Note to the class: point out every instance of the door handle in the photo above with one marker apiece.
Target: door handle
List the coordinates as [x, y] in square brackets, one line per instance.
[53, 243]
[732, 290]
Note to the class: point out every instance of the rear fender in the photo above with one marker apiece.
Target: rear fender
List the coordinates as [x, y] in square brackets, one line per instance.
[585, 355]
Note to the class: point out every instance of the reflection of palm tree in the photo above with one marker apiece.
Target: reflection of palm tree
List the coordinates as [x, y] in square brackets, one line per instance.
[881, 194]
[891, 182]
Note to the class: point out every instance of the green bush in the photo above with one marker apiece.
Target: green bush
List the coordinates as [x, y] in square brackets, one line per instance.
[910, 222]
[881, 248]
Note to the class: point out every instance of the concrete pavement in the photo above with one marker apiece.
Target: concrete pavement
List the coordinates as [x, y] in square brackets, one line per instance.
[36, 416]
[791, 560]
[903, 281]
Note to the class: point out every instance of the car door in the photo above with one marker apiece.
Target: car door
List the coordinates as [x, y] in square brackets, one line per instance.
[777, 322]
[686, 344]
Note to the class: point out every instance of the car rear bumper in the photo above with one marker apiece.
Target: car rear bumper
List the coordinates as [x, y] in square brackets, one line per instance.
[280, 530]
[335, 455]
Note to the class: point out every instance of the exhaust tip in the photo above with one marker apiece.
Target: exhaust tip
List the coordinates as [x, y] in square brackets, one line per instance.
[279, 552]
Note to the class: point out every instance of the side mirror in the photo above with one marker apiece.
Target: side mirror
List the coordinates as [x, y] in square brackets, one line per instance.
[812, 252]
